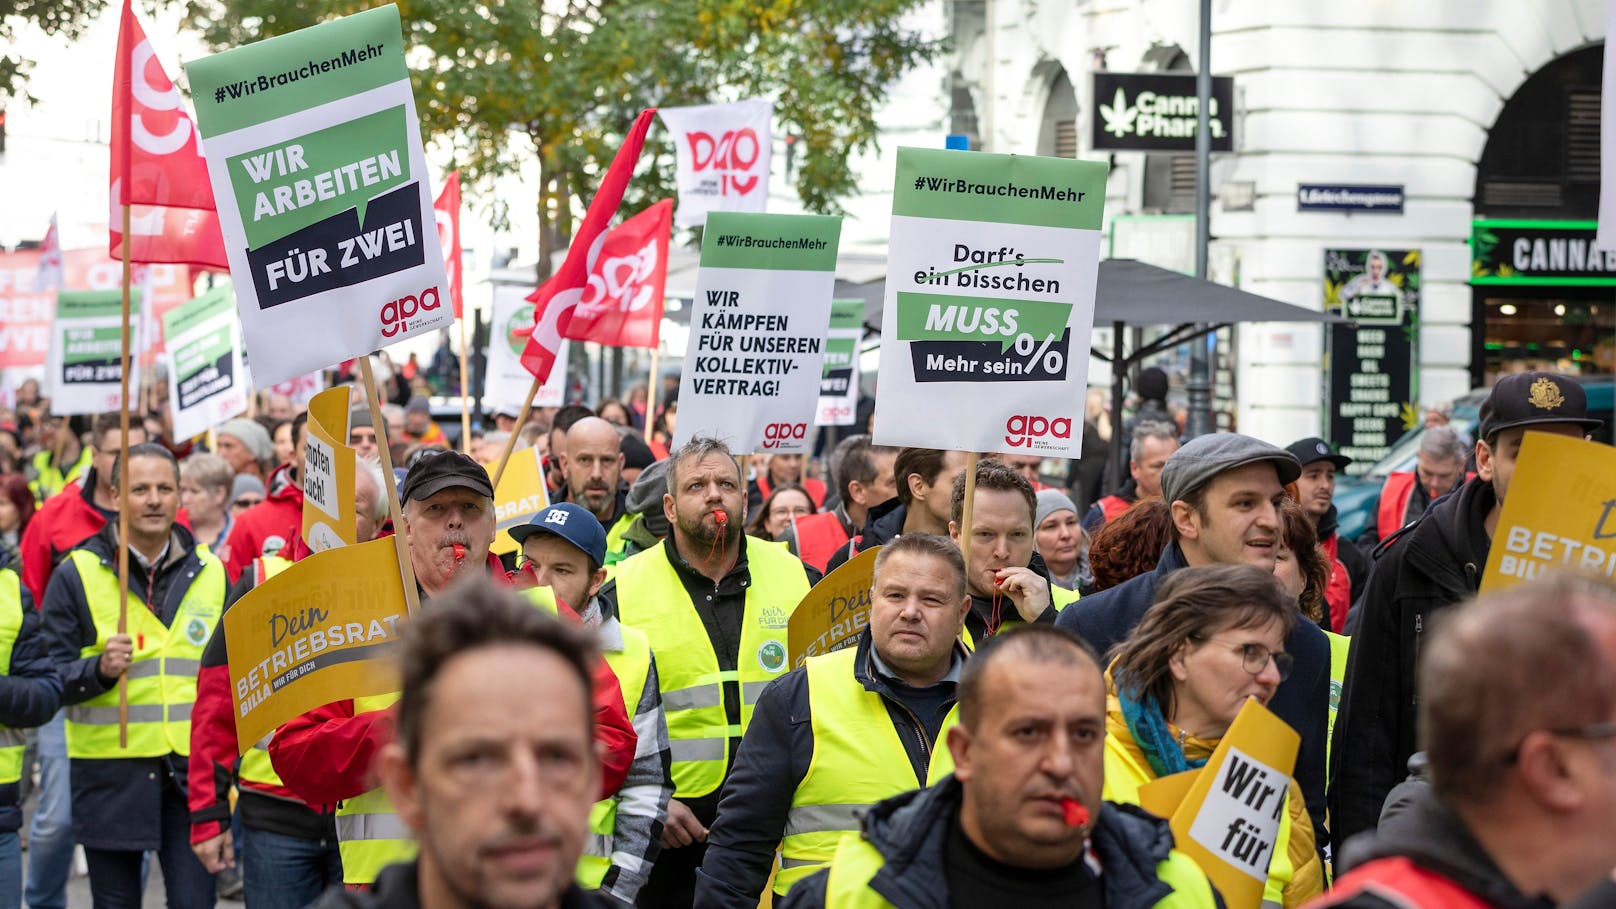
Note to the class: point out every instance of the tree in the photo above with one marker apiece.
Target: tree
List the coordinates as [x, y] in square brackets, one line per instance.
[561, 80]
[64, 19]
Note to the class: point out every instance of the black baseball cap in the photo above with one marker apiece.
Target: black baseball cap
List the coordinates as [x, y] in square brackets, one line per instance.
[432, 474]
[1534, 398]
[1312, 450]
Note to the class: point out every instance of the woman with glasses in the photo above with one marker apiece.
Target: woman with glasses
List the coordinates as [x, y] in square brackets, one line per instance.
[1214, 639]
[779, 511]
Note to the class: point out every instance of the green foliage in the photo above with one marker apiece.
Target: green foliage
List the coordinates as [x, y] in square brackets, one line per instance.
[63, 19]
[502, 81]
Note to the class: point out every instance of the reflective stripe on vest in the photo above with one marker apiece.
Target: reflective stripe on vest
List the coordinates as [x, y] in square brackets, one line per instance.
[162, 678]
[652, 598]
[858, 760]
[1123, 777]
[255, 764]
[11, 740]
[370, 834]
[857, 863]
[1340, 648]
[632, 665]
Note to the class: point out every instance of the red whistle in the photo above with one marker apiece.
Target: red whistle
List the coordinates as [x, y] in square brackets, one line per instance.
[720, 516]
[1073, 812]
[459, 553]
[140, 642]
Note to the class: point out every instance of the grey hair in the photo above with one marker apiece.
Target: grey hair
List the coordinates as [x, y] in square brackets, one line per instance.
[208, 470]
[373, 469]
[1150, 429]
[1443, 442]
[698, 447]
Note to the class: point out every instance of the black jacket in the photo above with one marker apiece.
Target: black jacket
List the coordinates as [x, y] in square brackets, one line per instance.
[116, 801]
[911, 833]
[1434, 839]
[1106, 618]
[884, 522]
[990, 612]
[399, 887]
[30, 691]
[772, 762]
[1425, 569]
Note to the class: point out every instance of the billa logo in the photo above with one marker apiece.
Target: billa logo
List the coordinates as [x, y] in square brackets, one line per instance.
[397, 313]
[777, 434]
[1022, 430]
[735, 150]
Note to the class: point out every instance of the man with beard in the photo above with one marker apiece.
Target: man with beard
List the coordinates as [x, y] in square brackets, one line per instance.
[715, 609]
[1315, 492]
[1421, 572]
[593, 465]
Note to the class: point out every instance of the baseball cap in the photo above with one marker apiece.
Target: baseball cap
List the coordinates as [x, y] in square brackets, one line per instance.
[1204, 457]
[1313, 449]
[571, 522]
[1533, 398]
[431, 475]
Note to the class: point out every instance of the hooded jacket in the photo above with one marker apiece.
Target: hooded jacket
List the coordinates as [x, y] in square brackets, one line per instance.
[63, 522]
[266, 527]
[884, 522]
[1425, 569]
[911, 833]
[1434, 840]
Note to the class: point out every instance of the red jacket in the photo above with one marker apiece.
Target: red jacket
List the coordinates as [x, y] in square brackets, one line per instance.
[325, 755]
[270, 524]
[64, 521]
[1338, 593]
[819, 536]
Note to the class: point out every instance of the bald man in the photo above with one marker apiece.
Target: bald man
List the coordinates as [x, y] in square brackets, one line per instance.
[593, 466]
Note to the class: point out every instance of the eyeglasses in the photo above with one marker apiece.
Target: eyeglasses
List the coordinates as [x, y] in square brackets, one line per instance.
[1590, 732]
[1254, 659]
[246, 502]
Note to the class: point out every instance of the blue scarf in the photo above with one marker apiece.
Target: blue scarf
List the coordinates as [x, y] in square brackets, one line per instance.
[1148, 726]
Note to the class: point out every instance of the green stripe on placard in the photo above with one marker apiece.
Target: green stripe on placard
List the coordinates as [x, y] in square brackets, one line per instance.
[94, 304]
[187, 315]
[846, 314]
[1009, 189]
[249, 85]
[774, 242]
[946, 317]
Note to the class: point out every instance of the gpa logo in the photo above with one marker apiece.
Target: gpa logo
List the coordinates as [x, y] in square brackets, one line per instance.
[1024, 430]
[778, 434]
[735, 150]
[396, 314]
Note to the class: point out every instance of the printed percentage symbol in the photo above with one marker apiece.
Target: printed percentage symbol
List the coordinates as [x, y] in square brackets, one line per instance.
[1052, 360]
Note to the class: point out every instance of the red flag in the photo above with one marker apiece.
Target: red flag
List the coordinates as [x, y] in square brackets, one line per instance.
[447, 209]
[555, 298]
[50, 260]
[622, 304]
[157, 164]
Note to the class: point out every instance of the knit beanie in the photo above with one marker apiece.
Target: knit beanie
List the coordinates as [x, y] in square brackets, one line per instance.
[1049, 502]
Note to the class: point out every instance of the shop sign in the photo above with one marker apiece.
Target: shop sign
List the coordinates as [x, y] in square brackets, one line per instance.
[1156, 112]
[1539, 252]
[1370, 370]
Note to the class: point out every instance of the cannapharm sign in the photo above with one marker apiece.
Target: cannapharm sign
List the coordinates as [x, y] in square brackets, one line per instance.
[1156, 112]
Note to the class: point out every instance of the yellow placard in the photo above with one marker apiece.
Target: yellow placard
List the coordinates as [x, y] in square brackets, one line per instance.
[329, 501]
[520, 496]
[312, 635]
[1162, 797]
[1560, 513]
[833, 613]
[1228, 820]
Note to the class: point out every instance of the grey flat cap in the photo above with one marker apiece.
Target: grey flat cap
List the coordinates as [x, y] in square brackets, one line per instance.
[1204, 457]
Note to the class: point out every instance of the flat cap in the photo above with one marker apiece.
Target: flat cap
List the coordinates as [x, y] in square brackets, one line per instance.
[1204, 457]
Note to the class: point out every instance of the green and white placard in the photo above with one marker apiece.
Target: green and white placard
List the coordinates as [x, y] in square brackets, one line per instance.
[314, 152]
[83, 368]
[207, 383]
[989, 302]
[839, 383]
[757, 331]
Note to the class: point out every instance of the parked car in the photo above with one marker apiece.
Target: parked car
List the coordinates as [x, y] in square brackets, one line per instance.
[1358, 497]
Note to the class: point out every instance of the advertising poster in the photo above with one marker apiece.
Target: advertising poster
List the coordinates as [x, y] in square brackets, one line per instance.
[84, 367]
[1560, 514]
[839, 382]
[989, 302]
[510, 324]
[722, 152]
[315, 156]
[1372, 369]
[207, 383]
[757, 331]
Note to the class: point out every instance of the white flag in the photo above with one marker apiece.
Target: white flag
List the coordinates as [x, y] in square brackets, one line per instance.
[723, 155]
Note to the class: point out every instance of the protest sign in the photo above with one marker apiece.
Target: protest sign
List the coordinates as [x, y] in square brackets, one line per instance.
[83, 370]
[838, 383]
[757, 331]
[312, 635]
[1228, 818]
[722, 152]
[330, 503]
[300, 390]
[207, 383]
[315, 157]
[1560, 514]
[989, 302]
[26, 313]
[835, 611]
[510, 324]
[520, 496]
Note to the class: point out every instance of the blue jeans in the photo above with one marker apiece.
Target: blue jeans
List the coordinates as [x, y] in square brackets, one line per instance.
[50, 835]
[118, 879]
[10, 871]
[286, 872]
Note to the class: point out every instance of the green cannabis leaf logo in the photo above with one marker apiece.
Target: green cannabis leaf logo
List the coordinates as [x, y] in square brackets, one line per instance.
[1118, 115]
